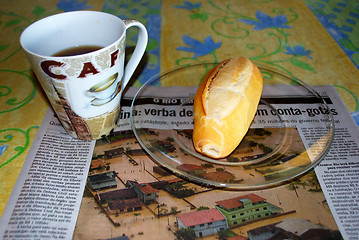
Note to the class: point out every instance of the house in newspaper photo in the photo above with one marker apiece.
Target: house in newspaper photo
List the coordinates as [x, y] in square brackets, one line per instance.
[191, 169]
[293, 228]
[246, 208]
[102, 181]
[144, 191]
[221, 176]
[113, 153]
[119, 201]
[218, 174]
[204, 222]
[97, 164]
[128, 199]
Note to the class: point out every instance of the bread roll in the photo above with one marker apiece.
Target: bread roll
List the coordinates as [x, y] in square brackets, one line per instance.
[225, 105]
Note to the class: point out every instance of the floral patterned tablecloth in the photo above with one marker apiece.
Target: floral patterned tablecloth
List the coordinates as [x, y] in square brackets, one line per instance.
[289, 36]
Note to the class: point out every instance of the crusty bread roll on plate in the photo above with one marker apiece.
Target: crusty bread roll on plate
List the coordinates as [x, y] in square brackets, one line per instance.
[225, 105]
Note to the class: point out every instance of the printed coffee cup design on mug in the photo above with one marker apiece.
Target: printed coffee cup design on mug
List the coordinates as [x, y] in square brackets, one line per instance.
[105, 91]
[78, 58]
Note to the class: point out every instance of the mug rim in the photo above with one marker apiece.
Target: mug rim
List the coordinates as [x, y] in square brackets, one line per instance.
[26, 31]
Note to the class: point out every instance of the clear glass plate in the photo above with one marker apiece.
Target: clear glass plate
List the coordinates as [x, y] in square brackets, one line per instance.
[273, 150]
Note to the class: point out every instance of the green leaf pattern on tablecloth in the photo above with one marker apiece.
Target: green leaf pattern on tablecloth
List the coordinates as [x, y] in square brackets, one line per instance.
[6, 137]
[11, 99]
[9, 103]
[275, 23]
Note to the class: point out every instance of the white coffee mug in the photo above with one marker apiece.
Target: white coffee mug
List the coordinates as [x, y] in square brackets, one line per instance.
[84, 89]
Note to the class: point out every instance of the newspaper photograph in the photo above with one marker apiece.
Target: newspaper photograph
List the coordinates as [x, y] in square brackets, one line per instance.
[140, 194]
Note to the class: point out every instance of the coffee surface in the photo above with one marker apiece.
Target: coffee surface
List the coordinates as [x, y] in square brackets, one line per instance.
[78, 50]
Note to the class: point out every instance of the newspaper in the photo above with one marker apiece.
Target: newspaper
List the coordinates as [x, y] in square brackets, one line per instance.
[47, 196]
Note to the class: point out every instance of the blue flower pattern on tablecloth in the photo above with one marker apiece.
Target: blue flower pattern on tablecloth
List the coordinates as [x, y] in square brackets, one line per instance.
[265, 21]
[197, 47]
[355, 116]
[72, 5]
[298, 50]
[3, 149]
[342, 32]
[188, 5]
[332, 28]
[147, 12]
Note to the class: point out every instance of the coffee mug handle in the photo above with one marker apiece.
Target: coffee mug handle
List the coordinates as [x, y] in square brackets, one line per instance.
[137, 53]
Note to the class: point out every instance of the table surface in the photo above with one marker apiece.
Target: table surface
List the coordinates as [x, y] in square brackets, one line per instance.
[317, 41]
